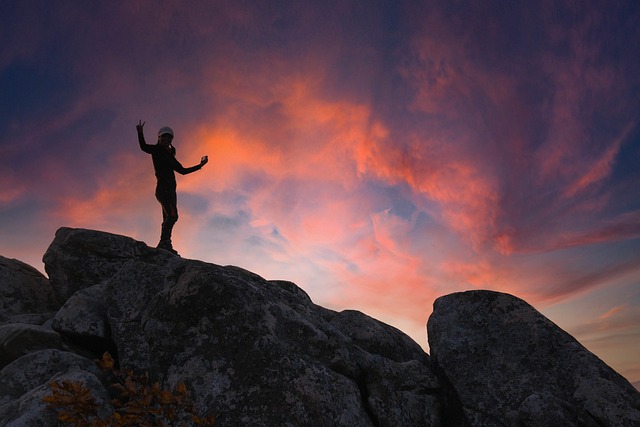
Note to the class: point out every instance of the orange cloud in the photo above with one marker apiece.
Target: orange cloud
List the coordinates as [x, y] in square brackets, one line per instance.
[467, 198]
[124, 189]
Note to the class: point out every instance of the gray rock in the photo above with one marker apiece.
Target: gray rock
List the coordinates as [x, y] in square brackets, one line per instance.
[608, 402]
[23, 290]
[17, 339]
[403, 394]
[38, 368]
[83, 315]
[377, 337]
[258, 352]
[78, 258]
[128, 296]
[31, 410]
[31, 319]
[499, 356]
[547, 410]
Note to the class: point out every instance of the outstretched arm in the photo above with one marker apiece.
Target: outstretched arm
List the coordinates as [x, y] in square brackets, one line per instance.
[182, 170]
[143, 145]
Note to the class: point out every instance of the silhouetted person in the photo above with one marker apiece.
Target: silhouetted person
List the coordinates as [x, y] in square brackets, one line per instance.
[165, 163]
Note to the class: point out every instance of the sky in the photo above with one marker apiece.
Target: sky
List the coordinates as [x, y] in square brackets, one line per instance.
[379, 154]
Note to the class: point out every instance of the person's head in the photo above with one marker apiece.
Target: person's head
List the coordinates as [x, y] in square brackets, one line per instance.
[165, 136]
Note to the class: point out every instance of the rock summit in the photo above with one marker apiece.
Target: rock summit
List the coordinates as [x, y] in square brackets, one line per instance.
[256, 352]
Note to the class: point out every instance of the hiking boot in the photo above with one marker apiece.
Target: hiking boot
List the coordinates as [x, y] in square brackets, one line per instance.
[167, 246]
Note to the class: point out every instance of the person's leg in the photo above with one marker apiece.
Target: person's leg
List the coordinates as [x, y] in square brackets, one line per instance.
[168, 201]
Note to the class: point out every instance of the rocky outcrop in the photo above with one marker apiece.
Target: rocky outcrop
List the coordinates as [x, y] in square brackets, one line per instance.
[504, 363]
[259, 352]
[251, 351]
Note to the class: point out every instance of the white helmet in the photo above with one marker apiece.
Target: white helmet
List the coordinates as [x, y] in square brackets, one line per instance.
[164, 130]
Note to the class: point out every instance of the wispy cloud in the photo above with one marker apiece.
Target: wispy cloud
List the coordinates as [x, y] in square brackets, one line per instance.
[379, 156]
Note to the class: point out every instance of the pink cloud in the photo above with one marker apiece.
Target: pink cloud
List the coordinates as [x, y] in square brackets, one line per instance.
[614, 311]
[316, 133]
[601, 167]
[12, 188]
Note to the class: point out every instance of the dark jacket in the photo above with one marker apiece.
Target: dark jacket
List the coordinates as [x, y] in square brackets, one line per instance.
[165, 163]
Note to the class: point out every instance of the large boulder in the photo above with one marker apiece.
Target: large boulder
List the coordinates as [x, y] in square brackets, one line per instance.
[24, 291]
[252, 351]
[504, 363]
[376, 337]
[259, 353]
[78, 258]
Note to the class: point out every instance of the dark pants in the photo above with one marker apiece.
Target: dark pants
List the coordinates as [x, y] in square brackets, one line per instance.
[169, 202]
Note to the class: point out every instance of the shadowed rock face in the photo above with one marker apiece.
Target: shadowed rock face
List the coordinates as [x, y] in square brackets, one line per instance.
[259, 352]
[24, 291]
[507, 364]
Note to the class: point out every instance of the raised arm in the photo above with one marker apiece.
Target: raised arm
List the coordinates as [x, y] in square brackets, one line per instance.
[143, 145]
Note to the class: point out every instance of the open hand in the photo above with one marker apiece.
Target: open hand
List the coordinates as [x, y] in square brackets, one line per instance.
[140, 126]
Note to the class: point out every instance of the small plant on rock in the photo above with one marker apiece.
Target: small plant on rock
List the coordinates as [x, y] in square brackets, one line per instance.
[137, 403]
